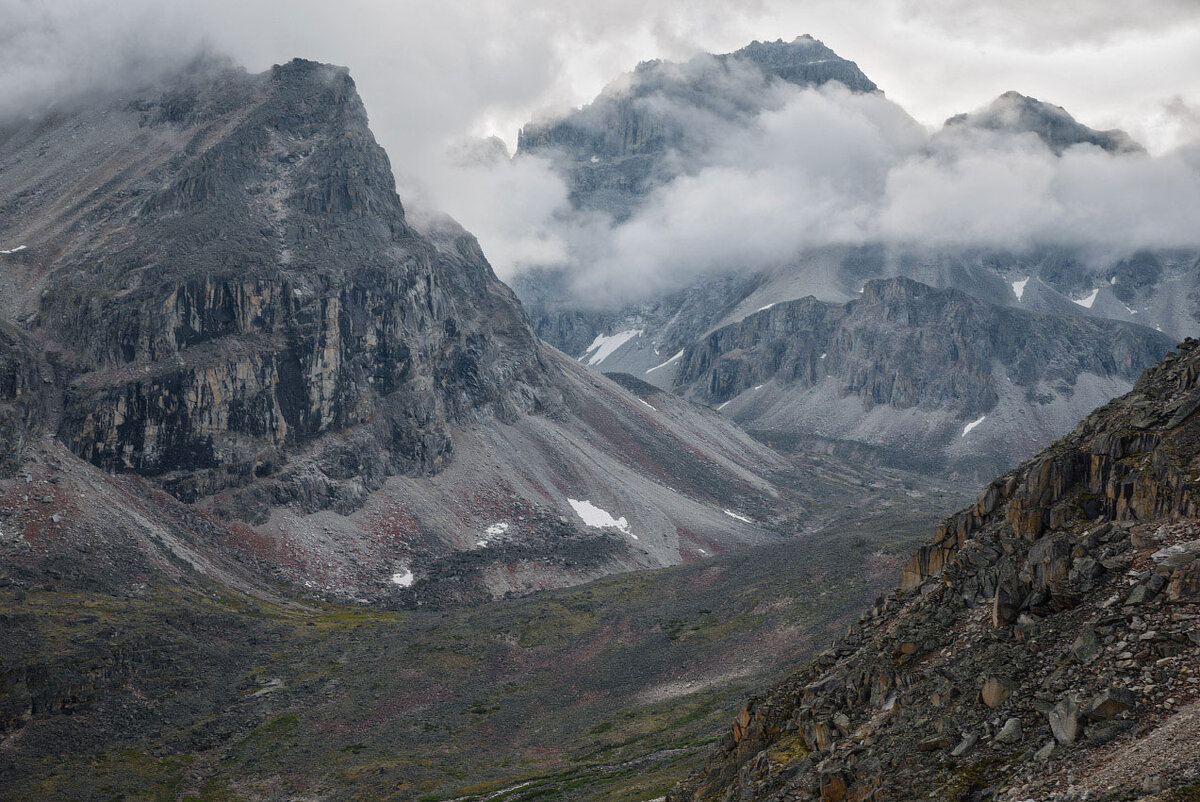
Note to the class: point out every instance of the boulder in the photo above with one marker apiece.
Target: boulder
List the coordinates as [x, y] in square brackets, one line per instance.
[1046, 751]
[1049, 561]
[1105, 731]
[1005, 608]
[934, 743]
[1010, 733]
[1111, 702]
[1146, 591]
[1184, 587]
[969, 740]
[1065, 721]
[996, 691]
[1086, 646]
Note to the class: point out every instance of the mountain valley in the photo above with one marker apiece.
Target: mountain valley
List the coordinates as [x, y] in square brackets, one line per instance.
[299, 501]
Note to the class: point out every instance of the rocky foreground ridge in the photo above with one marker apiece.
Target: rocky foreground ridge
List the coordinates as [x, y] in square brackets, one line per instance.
[1045, 645]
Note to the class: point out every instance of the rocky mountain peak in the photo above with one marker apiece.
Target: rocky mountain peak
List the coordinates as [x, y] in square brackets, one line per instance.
[1016, 113]
[236, 278]
[804, 61]
[650, 125]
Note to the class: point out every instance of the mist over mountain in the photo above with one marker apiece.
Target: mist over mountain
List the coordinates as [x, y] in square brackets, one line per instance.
[667, 180]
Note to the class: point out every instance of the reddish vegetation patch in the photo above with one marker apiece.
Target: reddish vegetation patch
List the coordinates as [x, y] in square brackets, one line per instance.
[545, 752]
[632, 450]
[590, 698]
[32, 506]
[690, 543]
[392, 522]
[499, 503]
[708, 578]
[385, 712]
[263, 545]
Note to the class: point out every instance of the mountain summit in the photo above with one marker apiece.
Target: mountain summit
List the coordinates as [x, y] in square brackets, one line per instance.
[648, 126]
[1013, 112]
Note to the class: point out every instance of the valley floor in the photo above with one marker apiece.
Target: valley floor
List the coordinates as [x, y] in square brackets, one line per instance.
[607, 691]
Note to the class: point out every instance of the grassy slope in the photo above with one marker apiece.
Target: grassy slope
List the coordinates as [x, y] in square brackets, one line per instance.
[605, 691]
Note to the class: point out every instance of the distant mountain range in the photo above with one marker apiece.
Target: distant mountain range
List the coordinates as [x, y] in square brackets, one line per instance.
[615, 152]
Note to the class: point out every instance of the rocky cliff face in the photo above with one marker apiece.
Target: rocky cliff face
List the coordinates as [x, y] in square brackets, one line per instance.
[907, 344]
[254, 285]
[214, 291]
[20, 397]
[937, 359]
[1043, 645]
[645, 129]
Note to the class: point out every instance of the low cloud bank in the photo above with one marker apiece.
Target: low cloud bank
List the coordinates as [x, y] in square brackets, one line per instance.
[829, 167]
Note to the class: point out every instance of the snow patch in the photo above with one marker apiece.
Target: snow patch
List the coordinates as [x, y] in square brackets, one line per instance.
[643, 403]
[1087, 302]
[497, 529]
[823, 356]
[741, 518]
[404, 578]
[768, 306]
[604, 345]
[727, 403]
[669, 361]
[17, 249]
[1019, 287]
[758, 387]
[597, 518]
[972, 425]
[1112, 280]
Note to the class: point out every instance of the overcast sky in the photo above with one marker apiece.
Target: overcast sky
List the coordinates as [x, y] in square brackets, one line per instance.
[432, 73]
[484, 66]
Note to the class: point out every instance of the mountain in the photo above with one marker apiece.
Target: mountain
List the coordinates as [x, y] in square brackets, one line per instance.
[935, 379]
[649, 126]
[1091, 296]
[1013, 112]
[221, 323]
[1043, 644]
[295, 504]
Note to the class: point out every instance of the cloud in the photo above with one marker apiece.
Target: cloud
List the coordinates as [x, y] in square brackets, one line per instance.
[828, 167]
[802, 175]
[814, 168]
[1036, 24]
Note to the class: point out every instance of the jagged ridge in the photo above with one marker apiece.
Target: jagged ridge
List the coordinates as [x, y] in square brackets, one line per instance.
[1018, 612]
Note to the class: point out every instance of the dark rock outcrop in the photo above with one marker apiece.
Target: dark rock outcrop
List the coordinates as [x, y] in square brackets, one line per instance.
[259, 286]
[20, 396]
